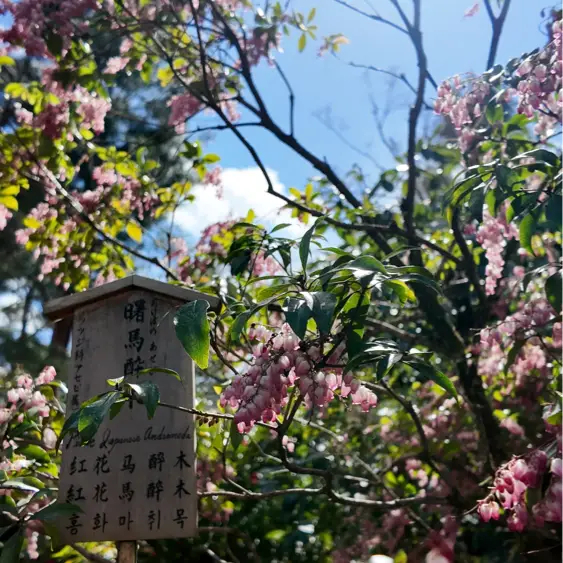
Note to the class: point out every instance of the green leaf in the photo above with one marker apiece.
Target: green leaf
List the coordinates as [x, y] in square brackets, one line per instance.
[166, 371]
[55, 511]
[237, 327]
[322, 304]
[553, 290]
[276, 535]
[302, 42]
[554, 210]
[428, 371]
[366, 263]
[192, 329]
[18, 485]
[280, 227]
[12, 548]
[311, 15]
[527, 230]
[70, 425]
[116, 381]
[272, 290]
[147, 393]
[116, 408]
[211, 158]
[494, 112]
[235, 436]
[541, 155]
[92, 415]
[297, 314]
[134, 231]
[35, 452]
[401, 289]
[400, 557]
[304, 247]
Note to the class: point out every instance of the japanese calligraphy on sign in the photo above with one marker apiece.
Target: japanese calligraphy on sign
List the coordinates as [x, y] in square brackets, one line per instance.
[136, 479]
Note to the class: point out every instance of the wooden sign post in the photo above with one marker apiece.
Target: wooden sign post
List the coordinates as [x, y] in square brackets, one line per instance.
[137, 478]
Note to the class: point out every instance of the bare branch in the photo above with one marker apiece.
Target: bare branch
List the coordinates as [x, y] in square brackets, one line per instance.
[497, 23]
[291, 98]
[374, 17]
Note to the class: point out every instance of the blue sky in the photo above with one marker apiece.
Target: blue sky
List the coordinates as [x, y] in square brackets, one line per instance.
[454, 44]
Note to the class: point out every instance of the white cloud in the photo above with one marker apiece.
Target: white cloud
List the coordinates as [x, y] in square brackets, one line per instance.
[243, 189]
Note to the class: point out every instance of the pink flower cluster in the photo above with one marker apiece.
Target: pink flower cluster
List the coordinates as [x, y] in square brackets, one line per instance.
[282, 361]
[493, 234]
[5, 216]
[463, 103]
[182, 106]
[33, 20]
[512, 480]
[539, 88]
[55, 117]
[26, 396]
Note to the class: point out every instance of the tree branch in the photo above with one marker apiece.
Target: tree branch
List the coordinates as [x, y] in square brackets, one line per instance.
[497, 23]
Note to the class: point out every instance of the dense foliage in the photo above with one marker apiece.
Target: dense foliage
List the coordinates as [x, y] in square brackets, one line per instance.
[393, 391]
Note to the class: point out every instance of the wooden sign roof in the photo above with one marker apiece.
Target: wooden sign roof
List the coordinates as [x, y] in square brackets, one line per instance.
[65, 306]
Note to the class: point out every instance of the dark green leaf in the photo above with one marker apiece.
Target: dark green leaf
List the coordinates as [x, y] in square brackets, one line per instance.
[385, 364]
[92, 415]
[322, 304]
[148, 394]
[304, 247]
[553, 290]
[273, 290]
[12, 548]
[428, 371]
[235, 436]
[192, 329]
[541, 155]
[70, 425]
[237, 327]
[166, 371]
[527, 230]
[554, 210]
[115, 409]
[367, 264]
[279, 228]
[297, 314]
[55, 511]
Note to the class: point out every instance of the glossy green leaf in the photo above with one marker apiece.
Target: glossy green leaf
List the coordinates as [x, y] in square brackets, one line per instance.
[192, 329]
[164, 371]
[322, 304]
[55, 511]
[297, 314]
[92, 415]
[304, 246]
[429, 372]
[32, 451]
[12, 549]
[553, 290]
[148, 394]
[527, 230]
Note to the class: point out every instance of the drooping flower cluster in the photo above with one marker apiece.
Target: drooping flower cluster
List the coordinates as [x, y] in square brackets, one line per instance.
[282, 361]
[493, 234]
[209, 475]
[512, 480]
[538, 82]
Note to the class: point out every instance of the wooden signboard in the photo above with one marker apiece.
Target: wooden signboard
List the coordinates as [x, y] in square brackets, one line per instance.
[136, 479]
